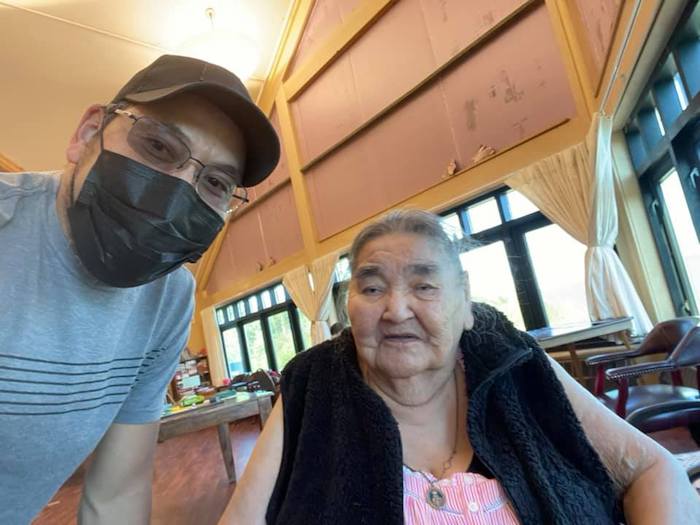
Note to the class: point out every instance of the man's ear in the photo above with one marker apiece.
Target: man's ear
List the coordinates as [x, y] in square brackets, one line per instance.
[87, 128]
[469, 319]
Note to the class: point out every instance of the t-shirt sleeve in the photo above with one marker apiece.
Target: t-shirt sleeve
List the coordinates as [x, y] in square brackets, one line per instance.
[144, 404]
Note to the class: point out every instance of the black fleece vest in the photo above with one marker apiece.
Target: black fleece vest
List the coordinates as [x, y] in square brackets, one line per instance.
[342, 460]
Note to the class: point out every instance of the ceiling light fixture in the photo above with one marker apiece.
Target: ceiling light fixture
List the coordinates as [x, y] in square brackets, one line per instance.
[226, 47]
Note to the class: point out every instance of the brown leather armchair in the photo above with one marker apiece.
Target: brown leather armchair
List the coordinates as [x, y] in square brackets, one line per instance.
[627, 399]
[662, 339]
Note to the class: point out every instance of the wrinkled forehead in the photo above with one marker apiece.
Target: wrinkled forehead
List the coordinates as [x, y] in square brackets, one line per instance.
[401, 254]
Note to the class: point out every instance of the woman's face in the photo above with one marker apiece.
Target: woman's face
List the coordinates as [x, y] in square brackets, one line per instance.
[407, 305]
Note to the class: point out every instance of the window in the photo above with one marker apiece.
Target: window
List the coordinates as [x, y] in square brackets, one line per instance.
[563, 293]
[667, 163]
[255, 343]
[520, 262]
[483, 264]
[305, 325]
[262, 330]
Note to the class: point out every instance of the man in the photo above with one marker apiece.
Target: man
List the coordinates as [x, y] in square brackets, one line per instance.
[97, 305]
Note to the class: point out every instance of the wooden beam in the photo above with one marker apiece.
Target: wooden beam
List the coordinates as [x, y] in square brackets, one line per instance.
[358, 22]
[294, 29]
[301, 197]
[417, 88]
[8, 165]
[576, 54]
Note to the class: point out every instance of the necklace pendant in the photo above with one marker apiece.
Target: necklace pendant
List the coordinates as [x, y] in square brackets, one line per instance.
[435, 497]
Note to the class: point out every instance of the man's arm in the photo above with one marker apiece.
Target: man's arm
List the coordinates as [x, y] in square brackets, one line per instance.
[117, 487]
[655, 487]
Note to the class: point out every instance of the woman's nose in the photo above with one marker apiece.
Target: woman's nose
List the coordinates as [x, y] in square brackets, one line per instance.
[397, 307]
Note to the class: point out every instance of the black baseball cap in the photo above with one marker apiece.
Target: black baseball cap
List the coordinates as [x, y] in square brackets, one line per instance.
[172, 74]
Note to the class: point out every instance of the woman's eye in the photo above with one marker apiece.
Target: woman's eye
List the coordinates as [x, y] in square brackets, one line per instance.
[425, 288]
[370, 290]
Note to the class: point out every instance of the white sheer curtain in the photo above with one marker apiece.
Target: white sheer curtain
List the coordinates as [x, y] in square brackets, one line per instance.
[215, 350]
[575, 189]
[310, 289]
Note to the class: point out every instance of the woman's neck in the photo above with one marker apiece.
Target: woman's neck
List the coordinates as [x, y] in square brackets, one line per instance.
[417, 399]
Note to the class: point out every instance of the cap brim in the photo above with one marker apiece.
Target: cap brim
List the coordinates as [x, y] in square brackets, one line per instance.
[262, 143]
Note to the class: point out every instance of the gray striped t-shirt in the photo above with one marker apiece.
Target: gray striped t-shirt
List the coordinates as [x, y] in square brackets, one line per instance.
[75, 355]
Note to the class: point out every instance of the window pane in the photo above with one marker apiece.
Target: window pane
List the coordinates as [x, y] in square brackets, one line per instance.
[683, 230]
[452, 226]
[282, 338]
[280, 295]
[519, 205]
[240, 306]
[491, 281]
[342, 270]
[252, 304]
[266, 299]
[557, 259]
[230, 314]
[680, 90]
[483, 215]
[305, 327]
[232, 351]
[256, 345]
[220, 317]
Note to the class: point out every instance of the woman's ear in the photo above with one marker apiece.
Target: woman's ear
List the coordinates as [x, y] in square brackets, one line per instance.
[88, 127]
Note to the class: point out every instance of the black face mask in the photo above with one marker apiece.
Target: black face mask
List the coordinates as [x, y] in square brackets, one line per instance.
[132, 224]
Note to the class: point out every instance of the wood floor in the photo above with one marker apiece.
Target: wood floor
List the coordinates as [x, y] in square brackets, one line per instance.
[190, 485]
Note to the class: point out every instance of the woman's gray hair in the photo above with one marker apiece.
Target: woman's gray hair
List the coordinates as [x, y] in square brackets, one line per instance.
[416, 222]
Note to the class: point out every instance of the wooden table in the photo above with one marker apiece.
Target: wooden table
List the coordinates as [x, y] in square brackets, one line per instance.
[566, 337]
[244, 404]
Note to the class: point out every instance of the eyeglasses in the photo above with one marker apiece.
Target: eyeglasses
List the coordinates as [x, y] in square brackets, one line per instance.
[161, 147]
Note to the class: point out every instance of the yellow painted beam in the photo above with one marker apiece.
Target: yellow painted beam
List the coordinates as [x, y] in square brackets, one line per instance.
[301, 195]
[359, 21]
[616, 77]
[577, 56]
[8, 165]
[296, 22]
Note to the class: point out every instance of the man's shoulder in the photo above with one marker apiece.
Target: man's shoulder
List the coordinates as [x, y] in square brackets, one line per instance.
[27, 182]
[173, 293]
[14, 187]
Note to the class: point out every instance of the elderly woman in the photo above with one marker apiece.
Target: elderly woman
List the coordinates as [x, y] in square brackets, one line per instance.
[432, 410]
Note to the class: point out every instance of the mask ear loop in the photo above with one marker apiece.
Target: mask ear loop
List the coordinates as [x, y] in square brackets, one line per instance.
[104, 123]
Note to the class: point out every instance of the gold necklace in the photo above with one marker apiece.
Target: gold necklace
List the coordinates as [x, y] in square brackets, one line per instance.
[434, 496]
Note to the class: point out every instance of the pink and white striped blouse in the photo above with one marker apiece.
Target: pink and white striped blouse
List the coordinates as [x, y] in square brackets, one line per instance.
[471, 499]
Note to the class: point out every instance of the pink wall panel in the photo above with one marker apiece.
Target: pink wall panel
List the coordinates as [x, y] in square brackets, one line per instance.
[598, 21]
[281, 172]
[240, 253]
[452, 24]
[328, 110]
[500, 96]
[325, 17]
[507, 93]
[403, 155]
[392, 57]
[404, 46]
[280, 225]
[344, 187]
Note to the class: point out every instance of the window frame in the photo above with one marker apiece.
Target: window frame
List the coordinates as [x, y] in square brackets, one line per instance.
[676, 149]
[262, 315]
